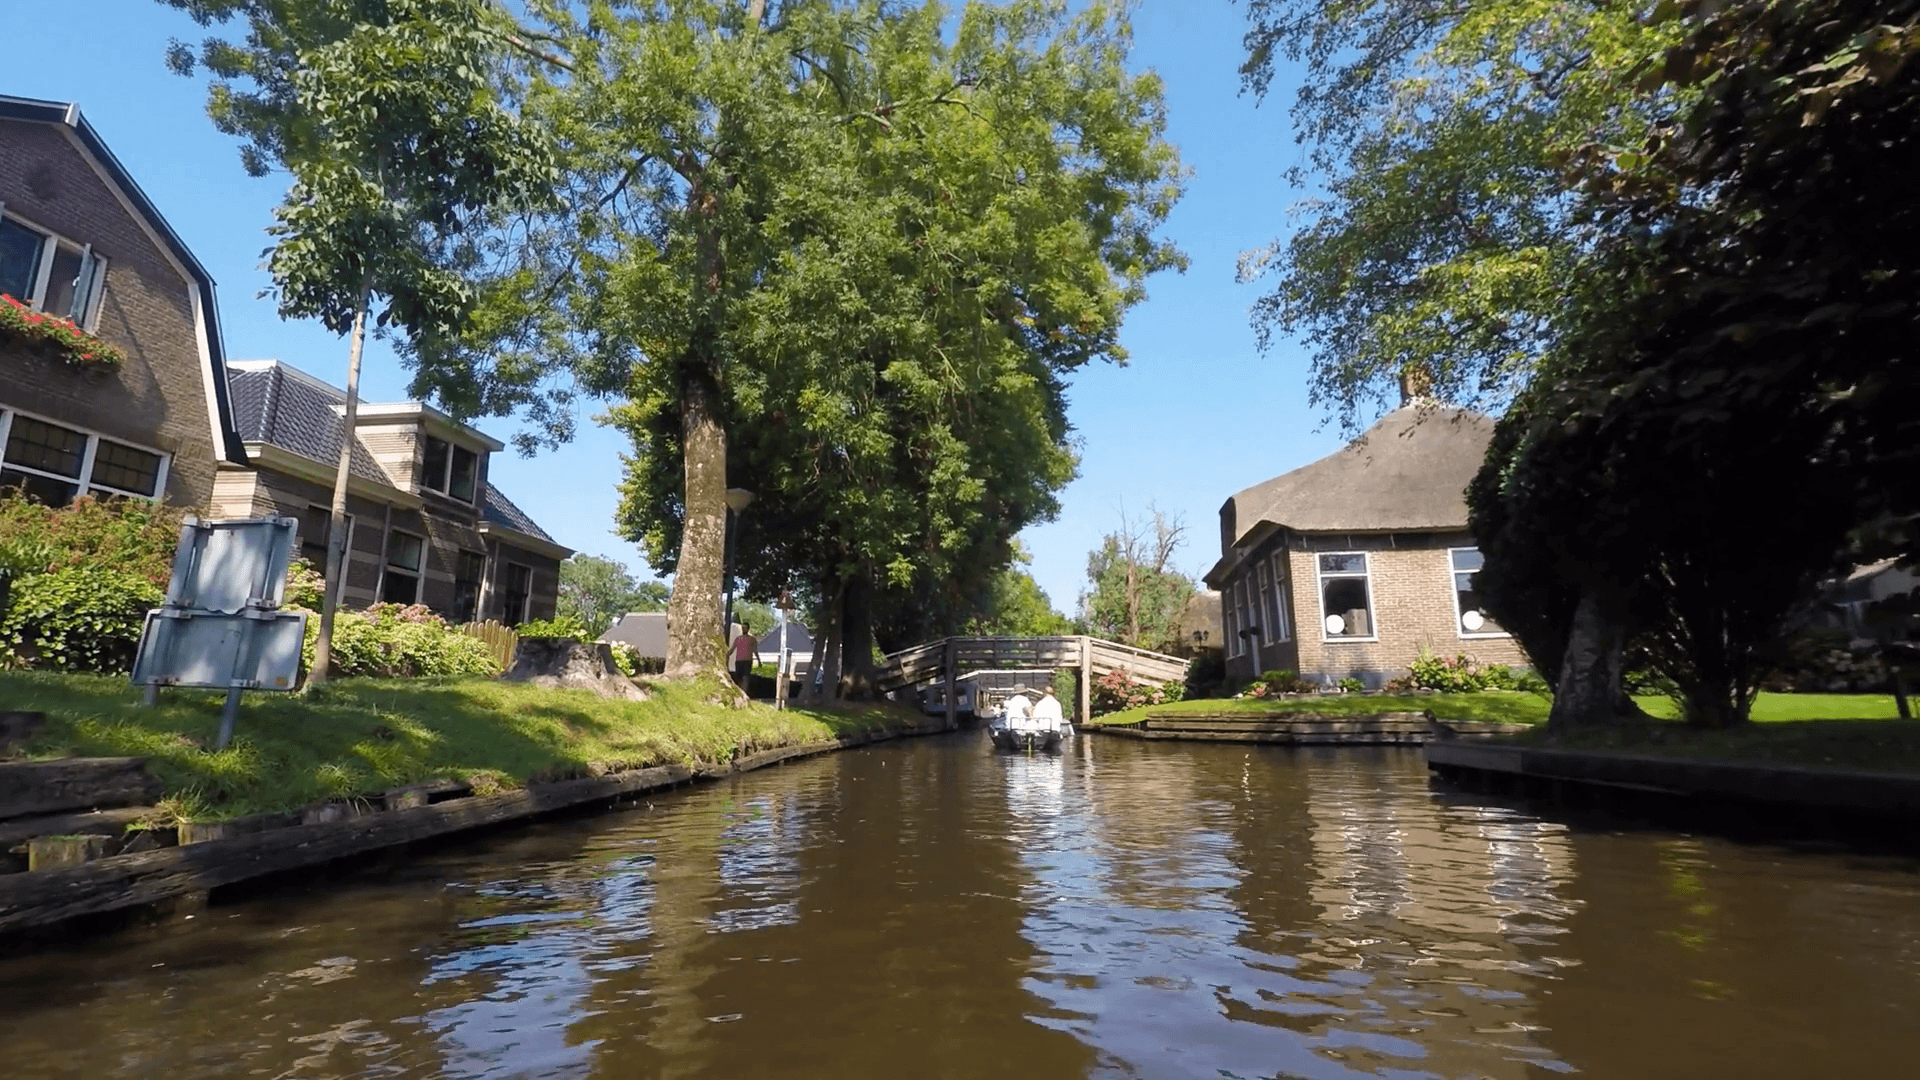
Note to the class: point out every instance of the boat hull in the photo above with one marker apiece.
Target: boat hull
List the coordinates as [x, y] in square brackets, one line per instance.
[1028, 742]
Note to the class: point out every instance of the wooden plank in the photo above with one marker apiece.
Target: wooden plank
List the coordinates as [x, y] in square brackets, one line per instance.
[85, 823]
[47, 787]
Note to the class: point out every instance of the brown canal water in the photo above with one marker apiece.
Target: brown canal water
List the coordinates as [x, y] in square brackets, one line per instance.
[927, 909]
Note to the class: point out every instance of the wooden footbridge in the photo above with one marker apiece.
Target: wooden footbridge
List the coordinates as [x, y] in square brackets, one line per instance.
[949, 658]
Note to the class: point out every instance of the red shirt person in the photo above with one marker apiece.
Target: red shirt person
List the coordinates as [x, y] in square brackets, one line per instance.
[744, 649]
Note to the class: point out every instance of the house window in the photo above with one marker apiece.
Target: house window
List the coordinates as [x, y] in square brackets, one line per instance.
[405, 555]
[451, 470]
[1346, 597]
[1243, 608]
[316, 524]
[53, 463]
[1472, 619]
[49, 273]
[1282, 624]
[469, 567]
[1231, 623]
[513, 594]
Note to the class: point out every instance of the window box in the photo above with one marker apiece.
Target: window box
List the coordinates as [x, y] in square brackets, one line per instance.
[52, 288]
[67, 342]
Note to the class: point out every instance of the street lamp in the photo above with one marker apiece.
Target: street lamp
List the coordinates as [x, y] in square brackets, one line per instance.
[737, 501]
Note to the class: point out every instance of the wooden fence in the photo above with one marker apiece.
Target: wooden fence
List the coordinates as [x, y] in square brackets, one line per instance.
[499, 638]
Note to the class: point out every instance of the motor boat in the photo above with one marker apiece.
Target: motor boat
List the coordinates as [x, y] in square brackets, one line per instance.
[1024, 735]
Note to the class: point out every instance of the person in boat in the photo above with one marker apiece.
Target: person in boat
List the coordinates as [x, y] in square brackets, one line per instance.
[1017, 709]
[1046, 712]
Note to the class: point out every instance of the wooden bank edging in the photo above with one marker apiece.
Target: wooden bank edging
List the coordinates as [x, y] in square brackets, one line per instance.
[45, 898]
[1783, 786]
[1398, 728]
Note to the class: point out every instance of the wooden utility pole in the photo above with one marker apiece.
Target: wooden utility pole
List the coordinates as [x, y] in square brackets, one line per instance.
[953, 705]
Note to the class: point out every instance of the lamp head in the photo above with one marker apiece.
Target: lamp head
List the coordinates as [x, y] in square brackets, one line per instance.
[738, 499]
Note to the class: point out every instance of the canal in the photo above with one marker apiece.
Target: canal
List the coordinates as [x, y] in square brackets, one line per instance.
[926, 909]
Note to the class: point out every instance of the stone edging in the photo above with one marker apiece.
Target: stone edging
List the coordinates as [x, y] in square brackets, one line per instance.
[1788, 786]
[31, 900]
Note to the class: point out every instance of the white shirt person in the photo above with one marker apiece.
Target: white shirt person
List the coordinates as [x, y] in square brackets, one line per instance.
[1046, 712]
[1016, 709]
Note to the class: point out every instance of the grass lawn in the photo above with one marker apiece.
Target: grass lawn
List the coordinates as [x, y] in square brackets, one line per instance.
[359, 737]
[1507, 706]
[1886, 745]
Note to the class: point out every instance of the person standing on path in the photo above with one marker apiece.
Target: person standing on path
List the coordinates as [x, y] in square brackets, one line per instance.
[744, 649]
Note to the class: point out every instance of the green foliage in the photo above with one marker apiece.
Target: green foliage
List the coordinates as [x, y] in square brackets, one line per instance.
[1017, 606]
[596, 591]
[1444, 246]
[77, 618]
[132, 536]
[1458, 675]
[868, 243]
[1135, 595]
[305, 586]
[1498, 677]
[1279, 681]
[1116, 691]
[1351, 685]
[389, 640]
[1207, 674]
[1747, 333]
[564, 627]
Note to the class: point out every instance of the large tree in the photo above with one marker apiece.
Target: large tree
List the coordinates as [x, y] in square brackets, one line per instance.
[1440, 234]
[1735, 424]
[1135, 594]
[842, 254]
[387, 119]
[597, 590]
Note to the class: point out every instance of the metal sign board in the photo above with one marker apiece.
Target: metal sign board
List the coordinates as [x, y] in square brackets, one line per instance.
[258, 650]
[226, 566]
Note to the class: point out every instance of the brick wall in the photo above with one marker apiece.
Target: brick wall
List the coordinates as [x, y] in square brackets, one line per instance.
[1413, 607]
[158, 397]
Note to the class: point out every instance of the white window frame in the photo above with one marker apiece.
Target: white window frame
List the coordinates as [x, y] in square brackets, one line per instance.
[1366, 576]
[92, 264]
[387, 566]
[1459, 628]
[1283, 626]
[84, 482]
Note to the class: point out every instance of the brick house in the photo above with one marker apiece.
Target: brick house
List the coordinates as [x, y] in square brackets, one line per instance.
[78, 239]
[1353, 564]
[425, 524]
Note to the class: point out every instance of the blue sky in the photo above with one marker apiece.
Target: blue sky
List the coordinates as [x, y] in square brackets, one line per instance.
[1196, 415]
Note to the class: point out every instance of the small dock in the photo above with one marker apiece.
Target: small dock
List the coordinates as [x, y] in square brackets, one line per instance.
[1306, 729]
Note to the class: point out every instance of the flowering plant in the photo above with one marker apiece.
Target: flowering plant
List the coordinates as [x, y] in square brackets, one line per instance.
[75, 345]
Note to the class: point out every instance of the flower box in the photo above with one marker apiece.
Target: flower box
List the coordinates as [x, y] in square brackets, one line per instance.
[66, 341]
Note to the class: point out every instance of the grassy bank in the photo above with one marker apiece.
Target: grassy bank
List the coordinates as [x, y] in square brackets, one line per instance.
[1516, 707]
[359, 737]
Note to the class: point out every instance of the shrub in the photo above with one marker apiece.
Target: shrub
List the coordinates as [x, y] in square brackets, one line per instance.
[1498, 677]
[131, 536]
[305, 587]
[1532, 683]
[1402, 684]
[631, 663]
[1282, 681]
[1351, 685]
[1116, 691]
[1455, 676]
[1206, 673]
[77, 618]
[392, 640]
[564, 628]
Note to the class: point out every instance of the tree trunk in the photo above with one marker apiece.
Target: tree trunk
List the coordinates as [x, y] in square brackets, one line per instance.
[828, 650]
[856, 637]
[1589, 691]
[337, 527]
[696, 642]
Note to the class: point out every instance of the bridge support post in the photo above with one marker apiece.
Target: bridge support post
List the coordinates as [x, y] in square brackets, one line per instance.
[950, 661]
[1085, 680]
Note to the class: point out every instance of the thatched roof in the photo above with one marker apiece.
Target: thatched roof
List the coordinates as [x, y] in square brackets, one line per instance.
[1408, 473]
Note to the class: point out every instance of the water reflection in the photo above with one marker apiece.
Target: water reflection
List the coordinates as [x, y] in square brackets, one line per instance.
[933, 908]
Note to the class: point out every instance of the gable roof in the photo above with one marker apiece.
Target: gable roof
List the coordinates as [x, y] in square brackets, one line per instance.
[278, 404]
[66, 117]
[646, 631]
[1408, 472]
[799, 638]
